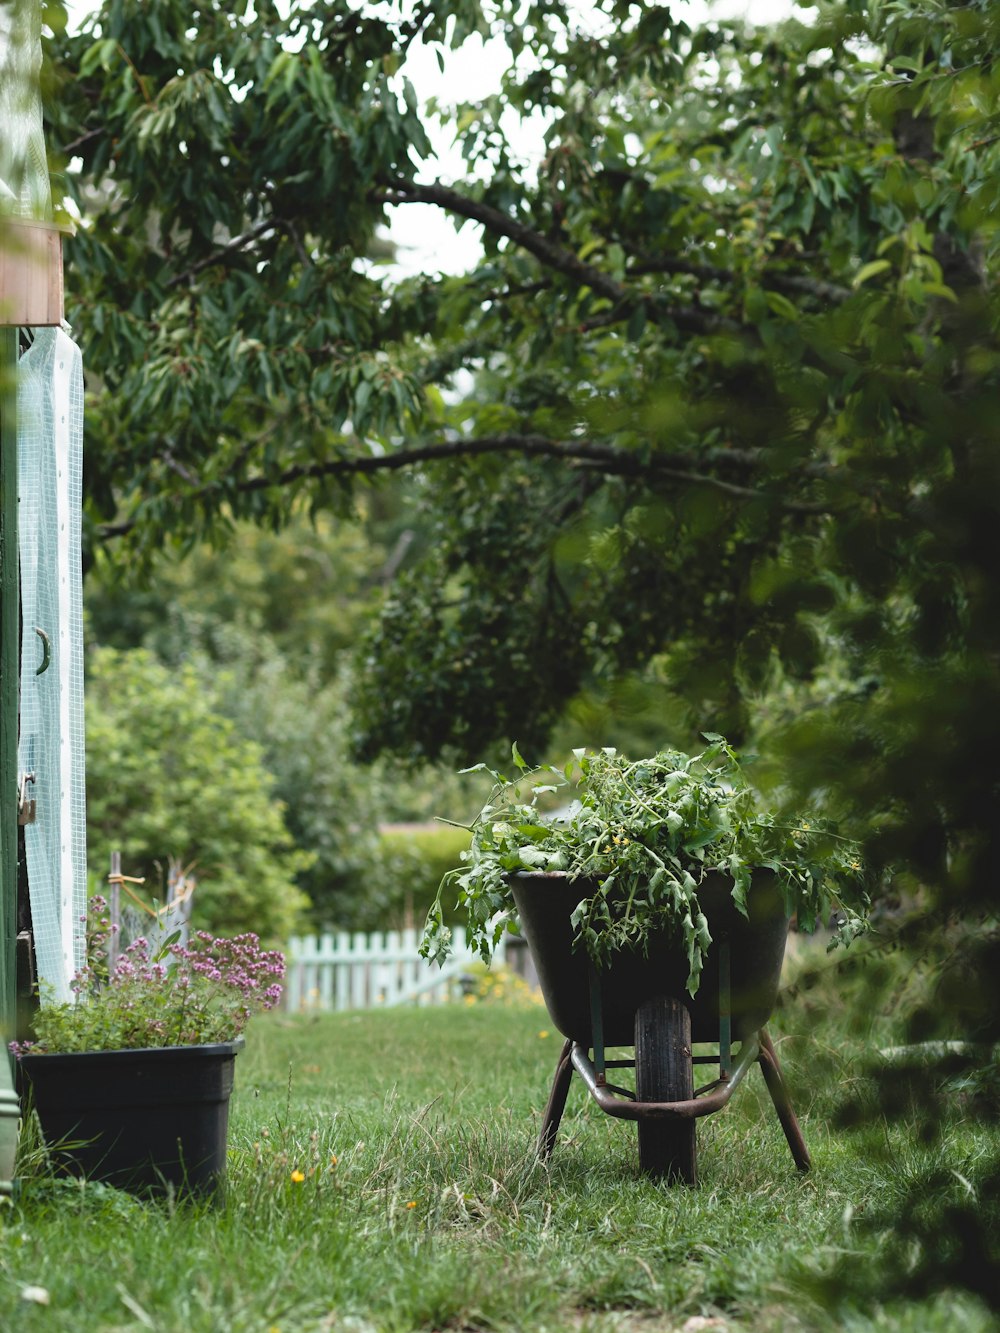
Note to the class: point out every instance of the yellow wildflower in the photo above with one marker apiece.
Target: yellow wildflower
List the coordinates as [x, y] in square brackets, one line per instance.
[297, 1177]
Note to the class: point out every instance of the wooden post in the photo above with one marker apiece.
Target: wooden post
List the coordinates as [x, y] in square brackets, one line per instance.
[31, 273]
[114, 908]
[31, 296]
[9, 654]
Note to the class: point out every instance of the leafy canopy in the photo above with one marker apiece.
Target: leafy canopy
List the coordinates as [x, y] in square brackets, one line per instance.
[719, 398]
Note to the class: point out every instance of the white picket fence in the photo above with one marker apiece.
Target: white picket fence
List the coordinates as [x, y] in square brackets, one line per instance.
[358, 971]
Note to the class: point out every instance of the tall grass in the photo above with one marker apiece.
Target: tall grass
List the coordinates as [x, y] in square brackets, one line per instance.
[382, 1177]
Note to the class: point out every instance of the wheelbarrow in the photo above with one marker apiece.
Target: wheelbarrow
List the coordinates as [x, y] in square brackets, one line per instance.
[640, 1000]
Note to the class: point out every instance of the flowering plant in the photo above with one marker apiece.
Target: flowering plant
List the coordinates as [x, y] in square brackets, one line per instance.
[643, 836]
[179, 995]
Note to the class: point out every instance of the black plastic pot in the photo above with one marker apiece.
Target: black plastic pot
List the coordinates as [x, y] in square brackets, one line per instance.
[545, 902]
[151, 1121]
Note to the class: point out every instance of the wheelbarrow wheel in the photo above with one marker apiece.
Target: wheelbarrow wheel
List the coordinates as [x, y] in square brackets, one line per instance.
[664, 1073]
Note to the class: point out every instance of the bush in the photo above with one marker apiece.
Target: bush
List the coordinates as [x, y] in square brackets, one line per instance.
[431, 849]
[168, 776]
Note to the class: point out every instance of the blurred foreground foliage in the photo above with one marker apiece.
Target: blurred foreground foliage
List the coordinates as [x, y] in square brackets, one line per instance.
[900, 999]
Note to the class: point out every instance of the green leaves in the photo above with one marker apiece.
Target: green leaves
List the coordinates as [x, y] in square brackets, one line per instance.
[717, 405]
[641, 837]
[152, 736]
[871, 270]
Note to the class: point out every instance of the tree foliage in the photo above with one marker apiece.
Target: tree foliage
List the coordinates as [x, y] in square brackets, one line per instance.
[719, 403]
[261, 631]
[306, 592]
[170, 778]
[728, 364]
[332, 808]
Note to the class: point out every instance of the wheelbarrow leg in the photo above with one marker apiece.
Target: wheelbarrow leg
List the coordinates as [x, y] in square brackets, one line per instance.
[782, 1102]
[557, 1102]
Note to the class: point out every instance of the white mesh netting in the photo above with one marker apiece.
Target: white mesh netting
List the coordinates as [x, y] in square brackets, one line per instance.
[24, 175]
[50, 467]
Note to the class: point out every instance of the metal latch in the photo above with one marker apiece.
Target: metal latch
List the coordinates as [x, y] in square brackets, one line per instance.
[46, 651]
[26, 804]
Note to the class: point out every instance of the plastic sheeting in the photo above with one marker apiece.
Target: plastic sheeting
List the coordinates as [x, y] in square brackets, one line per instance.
[50, 468]
[24, 175]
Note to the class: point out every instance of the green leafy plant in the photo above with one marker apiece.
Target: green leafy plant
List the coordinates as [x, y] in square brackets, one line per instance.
[645, 834]
[155, 732]
[179, 995]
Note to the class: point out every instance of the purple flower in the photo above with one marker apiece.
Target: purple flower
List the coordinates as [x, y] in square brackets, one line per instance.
[206, 991]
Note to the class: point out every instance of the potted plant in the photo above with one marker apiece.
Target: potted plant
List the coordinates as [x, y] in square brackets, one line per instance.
[131, 1079]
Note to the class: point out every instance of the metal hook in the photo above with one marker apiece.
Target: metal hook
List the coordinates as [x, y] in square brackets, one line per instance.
[26, 806]
[46, 651]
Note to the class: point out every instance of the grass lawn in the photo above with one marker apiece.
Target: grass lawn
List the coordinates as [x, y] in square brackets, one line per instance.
[421, 1206]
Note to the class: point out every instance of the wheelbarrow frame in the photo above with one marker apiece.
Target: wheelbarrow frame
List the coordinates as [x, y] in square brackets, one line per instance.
[591, 1007]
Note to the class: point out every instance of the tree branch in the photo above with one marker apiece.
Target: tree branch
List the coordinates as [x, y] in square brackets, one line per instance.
[797, 283]
[618, 462]
[555, 257]
[82, 139]
[501, 224]
[613, 462]
[231, 247]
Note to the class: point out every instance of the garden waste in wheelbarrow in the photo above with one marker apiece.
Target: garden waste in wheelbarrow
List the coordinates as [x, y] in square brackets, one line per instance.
[640, 1000]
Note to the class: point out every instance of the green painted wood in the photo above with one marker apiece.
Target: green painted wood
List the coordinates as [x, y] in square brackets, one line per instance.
[9, 645]
[9, 651]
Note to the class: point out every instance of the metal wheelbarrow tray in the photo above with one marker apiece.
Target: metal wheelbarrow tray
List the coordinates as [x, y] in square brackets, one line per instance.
[641, 1000]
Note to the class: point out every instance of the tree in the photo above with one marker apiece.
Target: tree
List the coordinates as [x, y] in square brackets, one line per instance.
[728, 364]
[307, 591]
[263, 631]
[169, 778]
[719, 400]
[676, 364]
